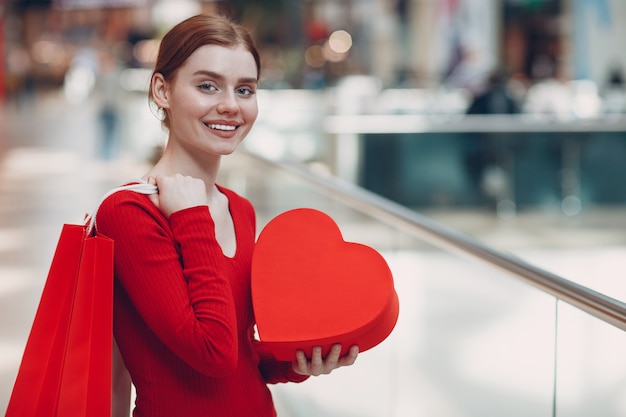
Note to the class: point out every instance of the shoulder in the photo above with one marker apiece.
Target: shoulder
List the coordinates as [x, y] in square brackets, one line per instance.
[122, 200]
[126, 210]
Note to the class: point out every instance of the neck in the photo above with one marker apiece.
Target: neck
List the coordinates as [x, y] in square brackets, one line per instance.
[172, 162]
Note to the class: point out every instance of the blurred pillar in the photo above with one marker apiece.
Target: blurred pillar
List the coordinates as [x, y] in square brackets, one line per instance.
[421, 45]
[385, 58]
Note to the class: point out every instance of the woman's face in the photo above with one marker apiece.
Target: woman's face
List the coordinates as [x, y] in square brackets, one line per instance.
[211, 102]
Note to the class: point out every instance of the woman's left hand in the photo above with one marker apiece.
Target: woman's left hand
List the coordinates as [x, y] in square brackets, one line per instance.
[321, 366]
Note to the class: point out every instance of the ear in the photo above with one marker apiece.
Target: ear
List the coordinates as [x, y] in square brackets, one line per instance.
[160, 90]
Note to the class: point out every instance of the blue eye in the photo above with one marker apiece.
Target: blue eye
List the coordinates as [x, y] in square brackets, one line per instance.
[245, 91]
[207, 87]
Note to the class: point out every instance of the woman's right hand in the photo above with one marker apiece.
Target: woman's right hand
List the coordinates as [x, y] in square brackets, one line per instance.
[178, 192]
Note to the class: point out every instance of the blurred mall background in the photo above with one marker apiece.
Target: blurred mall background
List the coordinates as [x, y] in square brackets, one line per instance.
[503, 120]
[419, 66]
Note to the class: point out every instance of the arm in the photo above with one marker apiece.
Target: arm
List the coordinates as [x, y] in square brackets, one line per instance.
[121, 386]
[189, 308]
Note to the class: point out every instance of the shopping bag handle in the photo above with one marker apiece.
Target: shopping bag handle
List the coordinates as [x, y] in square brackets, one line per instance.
[141, 187]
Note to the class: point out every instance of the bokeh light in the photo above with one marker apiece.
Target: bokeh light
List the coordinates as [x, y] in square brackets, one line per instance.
[340, 41]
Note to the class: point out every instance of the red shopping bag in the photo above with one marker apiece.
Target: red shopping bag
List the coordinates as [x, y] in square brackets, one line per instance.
[66, 365]
[71, 366]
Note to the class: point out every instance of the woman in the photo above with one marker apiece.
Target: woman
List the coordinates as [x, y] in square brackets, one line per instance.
[183, 316]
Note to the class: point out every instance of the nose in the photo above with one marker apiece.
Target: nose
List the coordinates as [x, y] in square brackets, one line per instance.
[228, 103]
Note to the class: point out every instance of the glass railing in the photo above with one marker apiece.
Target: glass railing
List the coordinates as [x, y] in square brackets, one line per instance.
[471, 340]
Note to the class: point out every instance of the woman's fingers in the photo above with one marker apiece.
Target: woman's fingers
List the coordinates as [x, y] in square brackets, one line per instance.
[350, 358]
[178, 192]
[318, 365]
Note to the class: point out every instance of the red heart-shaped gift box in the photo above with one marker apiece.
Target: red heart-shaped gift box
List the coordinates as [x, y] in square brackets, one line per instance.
[311, 288]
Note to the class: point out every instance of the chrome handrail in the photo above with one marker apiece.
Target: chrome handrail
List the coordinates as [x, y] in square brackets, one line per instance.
[595, 303]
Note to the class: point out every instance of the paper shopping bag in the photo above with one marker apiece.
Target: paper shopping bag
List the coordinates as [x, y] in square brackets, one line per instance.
[66, 365]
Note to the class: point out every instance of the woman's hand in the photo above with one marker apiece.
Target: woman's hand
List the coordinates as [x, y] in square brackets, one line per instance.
[321, 366]
[178, 192]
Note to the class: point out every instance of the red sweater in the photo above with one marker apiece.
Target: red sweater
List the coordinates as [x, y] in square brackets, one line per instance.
[183, 314]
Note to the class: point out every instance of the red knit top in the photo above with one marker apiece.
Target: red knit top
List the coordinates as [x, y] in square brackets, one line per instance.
[183, 315]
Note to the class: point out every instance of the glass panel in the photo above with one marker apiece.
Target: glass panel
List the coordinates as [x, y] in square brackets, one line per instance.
[471, 340]
[591, 377]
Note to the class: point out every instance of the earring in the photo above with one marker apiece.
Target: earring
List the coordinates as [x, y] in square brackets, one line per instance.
[160, 114]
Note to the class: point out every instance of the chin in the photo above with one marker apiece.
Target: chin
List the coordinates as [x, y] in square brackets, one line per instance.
[226, 151]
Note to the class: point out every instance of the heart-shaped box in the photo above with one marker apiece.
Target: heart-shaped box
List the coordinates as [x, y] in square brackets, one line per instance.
[311, 288]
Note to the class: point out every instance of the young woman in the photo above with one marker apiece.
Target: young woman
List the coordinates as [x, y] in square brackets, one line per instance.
[183, 316]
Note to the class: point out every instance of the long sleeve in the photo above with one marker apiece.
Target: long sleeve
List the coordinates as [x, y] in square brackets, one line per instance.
[188, 305]
[274, 371]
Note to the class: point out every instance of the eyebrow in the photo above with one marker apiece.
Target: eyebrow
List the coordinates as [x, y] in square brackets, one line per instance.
[221, 77]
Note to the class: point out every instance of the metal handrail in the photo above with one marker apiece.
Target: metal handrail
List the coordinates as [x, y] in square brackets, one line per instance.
[592, 302]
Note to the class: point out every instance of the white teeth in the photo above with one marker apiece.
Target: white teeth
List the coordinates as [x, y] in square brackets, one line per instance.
[221, 127]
